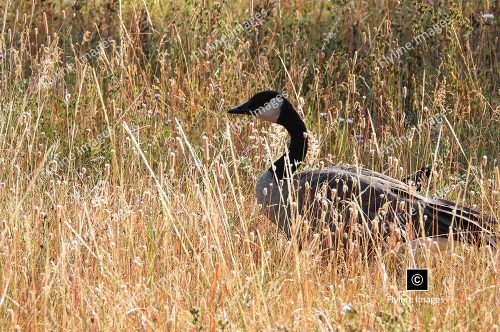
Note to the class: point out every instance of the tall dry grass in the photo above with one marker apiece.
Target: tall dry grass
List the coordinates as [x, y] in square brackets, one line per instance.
[157, 228]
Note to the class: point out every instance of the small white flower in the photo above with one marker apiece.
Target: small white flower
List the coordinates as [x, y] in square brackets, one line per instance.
[488, 16]
[346, 307]
[137, 261]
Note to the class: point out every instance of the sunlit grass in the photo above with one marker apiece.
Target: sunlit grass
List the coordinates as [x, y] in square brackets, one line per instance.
[158, 228]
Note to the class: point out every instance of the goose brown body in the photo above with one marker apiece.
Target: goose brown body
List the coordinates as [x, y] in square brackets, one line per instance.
[340, 197]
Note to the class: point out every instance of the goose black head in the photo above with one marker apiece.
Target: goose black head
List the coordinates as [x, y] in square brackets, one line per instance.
[265, 105]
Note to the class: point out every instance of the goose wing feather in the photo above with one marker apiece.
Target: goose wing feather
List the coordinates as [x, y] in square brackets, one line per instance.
[353, 190]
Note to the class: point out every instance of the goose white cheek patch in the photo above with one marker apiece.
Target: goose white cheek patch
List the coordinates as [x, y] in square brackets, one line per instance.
[271, 110]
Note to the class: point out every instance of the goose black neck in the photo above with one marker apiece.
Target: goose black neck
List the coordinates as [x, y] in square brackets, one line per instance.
[290, 119]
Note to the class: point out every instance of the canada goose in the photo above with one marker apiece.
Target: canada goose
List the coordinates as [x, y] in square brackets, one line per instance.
[350, 198]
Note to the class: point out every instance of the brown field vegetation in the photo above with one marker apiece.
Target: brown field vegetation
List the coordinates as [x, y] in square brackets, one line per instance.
[155, 227]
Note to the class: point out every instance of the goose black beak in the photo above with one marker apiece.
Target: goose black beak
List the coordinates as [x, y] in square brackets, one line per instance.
[242, 109]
